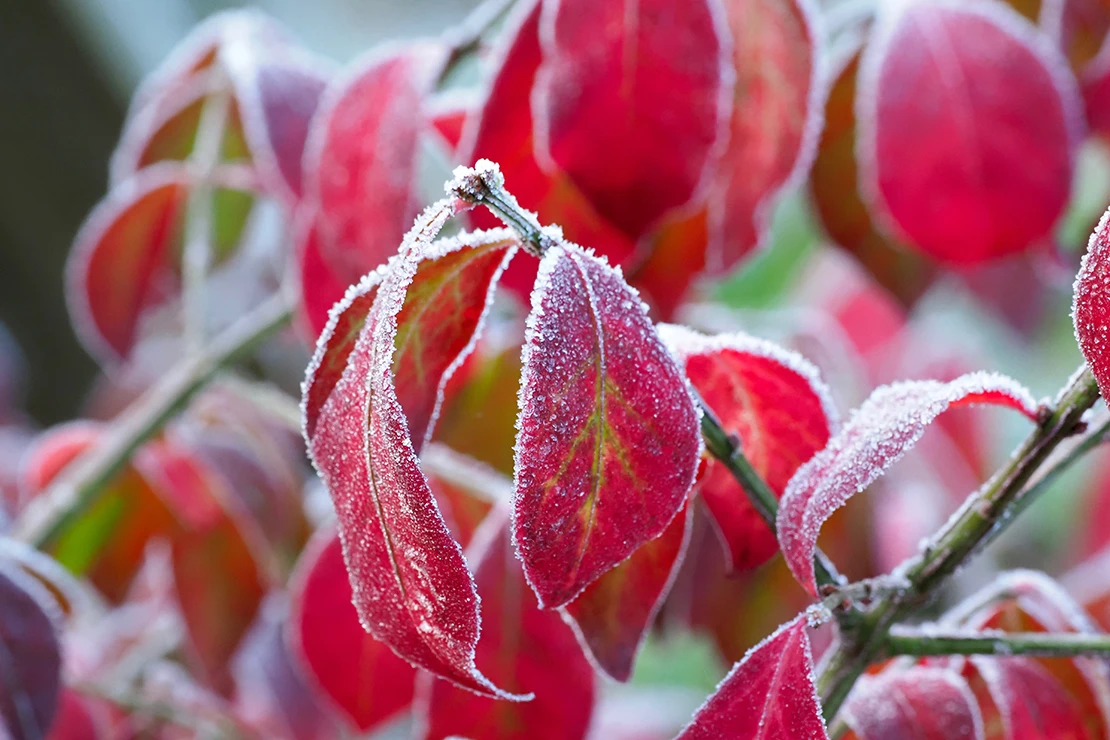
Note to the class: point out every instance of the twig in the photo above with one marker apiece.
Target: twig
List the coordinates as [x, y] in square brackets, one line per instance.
[920, 643]
[83, 481]
[466, 38]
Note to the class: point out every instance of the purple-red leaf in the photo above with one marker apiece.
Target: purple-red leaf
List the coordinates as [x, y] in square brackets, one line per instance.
[769, 695]
[361, 157]
[524, 649]
[775, 119]
[919, 703]
[608, 441]
[411, 586]
[360, 675]
[630, 101]
[888, 424]
[1091, 305]
[31, 678]
[612, 616]
[777, 404]
[969, 122]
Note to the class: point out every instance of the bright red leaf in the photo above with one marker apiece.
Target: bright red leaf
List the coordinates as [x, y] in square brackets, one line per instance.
[1032, 704]
[524, 649]
[612, 616]
[361, 156]
[919, 703]
[1091, 305]
[608, 441]
[360, 675]
[448, 114]
[630, 101]
[30, 682]
[888, 424]
[775, 119]
[777, 404]
[769, 695]
[78, 718]
[969, 123]
[411, 585]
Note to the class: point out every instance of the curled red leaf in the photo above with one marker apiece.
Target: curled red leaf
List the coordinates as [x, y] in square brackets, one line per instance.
[608, 440]
[888, 424]
[1091, 305]
[919, 703]
[631, 101]
[612, 616]
[777, 404]
[969, 121]
[769, 695]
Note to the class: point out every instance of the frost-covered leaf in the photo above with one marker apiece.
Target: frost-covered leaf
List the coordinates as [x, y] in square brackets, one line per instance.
[969, 122]
[105, 544]
[769, 695]
[502, 131]
[1031, 703]
[630, 101]
[612, 616]
[918, 703]
[30, 681]
[608, 440]
[360, 160]
[1091, 305]
[411, 586]
[360, 676]
[775, 118]
[524, 649]
[776, 403]
[880, 431]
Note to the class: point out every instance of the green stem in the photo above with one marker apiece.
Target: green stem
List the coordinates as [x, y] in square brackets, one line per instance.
[484, 185]
[82, 482]
[986, 511]
[1037, 644]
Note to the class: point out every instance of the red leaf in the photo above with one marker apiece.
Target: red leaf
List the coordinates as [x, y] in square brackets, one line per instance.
[888, 424]
[77, 719]
[31, 678]
[1032, 704]
[448, 114]
[218, 579]
[776, 402]
[769, 695]
[523, 649]
[1091, 305]
[919, 703]
[465, 489]
[361, 156]
[632, 125]
[608, 441]
[969, 123]
[502, 132]
[612, 616]
[775, 120]
[278, 93]
[360, 675]
[411, 586]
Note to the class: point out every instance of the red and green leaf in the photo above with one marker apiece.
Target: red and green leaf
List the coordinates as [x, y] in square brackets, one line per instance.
[888, 424]
[608, 441]
[776, 403]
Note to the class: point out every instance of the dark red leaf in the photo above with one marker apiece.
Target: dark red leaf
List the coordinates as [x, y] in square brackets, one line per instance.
[777, 404]
[919, 703]
[630, 101]
[1091, 305]
[775, 121]
[502, 131]
[969, 123]
[361, 156]
[608, 441]
[676, 257]
[411, 586]
[360, 675]
[524, 649]
[769, 695]
[30, 681]
[613, 615]
[888, 424]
